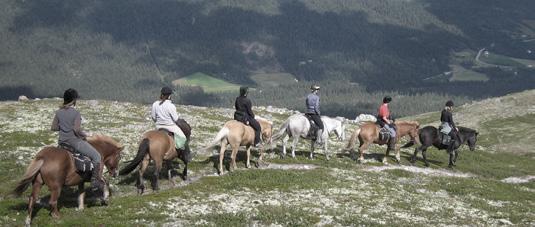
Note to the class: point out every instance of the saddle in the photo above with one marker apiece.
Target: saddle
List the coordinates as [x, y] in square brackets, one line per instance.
[313, 128]
[169, 133]
[82, 163]
[384, 134]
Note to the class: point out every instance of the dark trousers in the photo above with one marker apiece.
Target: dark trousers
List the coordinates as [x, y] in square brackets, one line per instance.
[317, 119]
[256, 126]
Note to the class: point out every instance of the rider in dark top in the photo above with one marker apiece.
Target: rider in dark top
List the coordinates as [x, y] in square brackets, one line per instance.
[446, 118]
[244, 105]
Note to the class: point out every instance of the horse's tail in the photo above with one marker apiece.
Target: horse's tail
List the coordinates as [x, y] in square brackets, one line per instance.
[31, 172]
[222, 134]
[282, 131]
[143, 149]
[353, 139]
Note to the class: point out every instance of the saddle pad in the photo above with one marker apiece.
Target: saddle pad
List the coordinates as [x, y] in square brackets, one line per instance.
[81, 162]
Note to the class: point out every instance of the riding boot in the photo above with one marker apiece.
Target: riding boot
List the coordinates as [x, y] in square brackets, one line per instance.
[96, 179]
[392, 143]
[257, 138]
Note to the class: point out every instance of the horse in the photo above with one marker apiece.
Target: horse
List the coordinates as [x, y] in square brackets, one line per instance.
[239, 134]
[55, 167]
[429, 136]
[369, 133]
[298, 126]
[159, 146]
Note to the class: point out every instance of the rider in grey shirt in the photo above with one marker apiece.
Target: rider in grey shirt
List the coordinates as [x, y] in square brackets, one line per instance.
[67, 121]
[313, 110]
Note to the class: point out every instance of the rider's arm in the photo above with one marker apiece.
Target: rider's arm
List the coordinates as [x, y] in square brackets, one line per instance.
[153, 114]
[317, 106]
[77, 127]
[173, 113]
[249, 105]
[55, 124]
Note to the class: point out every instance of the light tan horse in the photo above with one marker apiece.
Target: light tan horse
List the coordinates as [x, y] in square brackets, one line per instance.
[368, 133]
[159, 146]
[55, 167]
[238, 134]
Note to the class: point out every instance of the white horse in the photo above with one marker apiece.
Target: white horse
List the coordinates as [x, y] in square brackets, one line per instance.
[298, 125]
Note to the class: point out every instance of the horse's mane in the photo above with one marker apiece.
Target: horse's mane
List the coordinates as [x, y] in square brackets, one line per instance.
[105, 139]
[263, 119]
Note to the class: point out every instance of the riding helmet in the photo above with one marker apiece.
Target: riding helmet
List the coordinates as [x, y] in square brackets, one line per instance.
[166, 91]
[387, 99]
[314, 87]
[449, 103]
[243, 91]
[69, 95]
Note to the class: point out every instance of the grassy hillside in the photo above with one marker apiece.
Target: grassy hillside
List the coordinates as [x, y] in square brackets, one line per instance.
[489, 186]
[208, 83]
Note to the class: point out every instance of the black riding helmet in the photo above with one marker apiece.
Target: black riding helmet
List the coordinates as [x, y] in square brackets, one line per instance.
[243, 91]
[449, 103]
[166, 91]
[69, 95]
[387, 99]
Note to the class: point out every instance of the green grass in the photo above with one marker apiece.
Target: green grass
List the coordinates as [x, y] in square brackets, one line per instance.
[462, 74]
[208, 83]
[273, 79]
[497, 59]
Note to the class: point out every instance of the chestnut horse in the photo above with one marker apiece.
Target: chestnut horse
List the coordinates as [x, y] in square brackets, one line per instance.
[238, 134]
[368, 133]
[55, 167]
[159, 146]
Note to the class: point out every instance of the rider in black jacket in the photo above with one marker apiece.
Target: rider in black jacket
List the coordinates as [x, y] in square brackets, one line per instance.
[244, 106]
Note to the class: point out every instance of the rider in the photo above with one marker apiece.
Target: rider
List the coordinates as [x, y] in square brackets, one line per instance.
[448, 126]
[67, 121]
[313, 110]
[164, 114]
[244, 109]
[384, 120]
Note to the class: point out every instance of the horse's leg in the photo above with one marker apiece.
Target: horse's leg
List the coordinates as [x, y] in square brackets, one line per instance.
[55, 191]
[413, 158]
[235, 148]
[284, 142]
[451, 153]
[326, 149]
[169, 166]
[81, 195]
[222, 156]
[385, 158]
[362, 148]
[142, 169]
[424, 155]
[248, 163]
[36, 187]
[157, 168]
[311, 150]
[294, 144]
[398, 155]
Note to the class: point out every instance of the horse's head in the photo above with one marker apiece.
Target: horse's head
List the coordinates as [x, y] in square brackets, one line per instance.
[266, 128]
[336, 125]
[110, 151]
[408, 128]
[470, 136]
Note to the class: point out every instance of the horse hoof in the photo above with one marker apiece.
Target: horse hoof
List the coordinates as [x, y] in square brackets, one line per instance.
[426, 164]
[104, 202]
[28, 221]
[55, 215]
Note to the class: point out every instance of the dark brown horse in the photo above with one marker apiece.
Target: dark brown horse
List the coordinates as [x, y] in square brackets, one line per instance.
[369, 133]
[55, 167]
[159, 146]
[429, 136]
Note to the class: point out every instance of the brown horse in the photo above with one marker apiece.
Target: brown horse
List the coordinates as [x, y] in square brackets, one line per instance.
[369, 133]
[55, 167]
[159, 146]
[238, 134]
